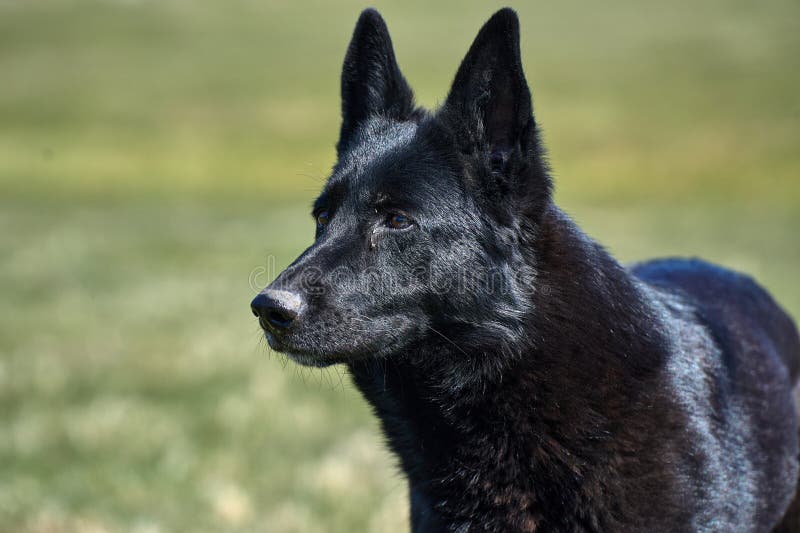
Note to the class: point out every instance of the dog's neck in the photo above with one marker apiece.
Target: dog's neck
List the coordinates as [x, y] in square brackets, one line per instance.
[562, 409]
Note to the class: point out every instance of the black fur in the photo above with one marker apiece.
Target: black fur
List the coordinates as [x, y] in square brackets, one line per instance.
[526, 380]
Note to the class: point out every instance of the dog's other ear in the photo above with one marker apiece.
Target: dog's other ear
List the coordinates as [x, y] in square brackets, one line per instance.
[371, 80]
[490, 103]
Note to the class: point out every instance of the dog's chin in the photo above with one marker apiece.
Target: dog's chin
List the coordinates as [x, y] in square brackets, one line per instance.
[311, 354]
[313, 360]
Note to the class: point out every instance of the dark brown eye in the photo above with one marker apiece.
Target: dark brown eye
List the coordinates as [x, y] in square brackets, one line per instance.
[322, 219]
[398, 221]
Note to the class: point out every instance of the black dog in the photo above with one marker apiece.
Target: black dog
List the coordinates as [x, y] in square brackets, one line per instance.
[524, 378]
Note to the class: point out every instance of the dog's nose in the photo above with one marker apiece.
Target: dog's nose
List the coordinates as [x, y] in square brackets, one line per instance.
[276, 309]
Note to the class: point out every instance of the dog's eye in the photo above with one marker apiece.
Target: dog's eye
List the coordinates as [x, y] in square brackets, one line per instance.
[322, 219]
[398, 221]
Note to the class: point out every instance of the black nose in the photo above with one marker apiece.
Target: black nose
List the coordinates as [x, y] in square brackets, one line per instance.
[276, 310]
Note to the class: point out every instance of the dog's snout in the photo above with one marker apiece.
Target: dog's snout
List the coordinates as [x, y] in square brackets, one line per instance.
[276, 310]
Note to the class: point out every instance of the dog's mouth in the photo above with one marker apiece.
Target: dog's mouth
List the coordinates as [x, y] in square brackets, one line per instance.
[299, 353]
[343, 344]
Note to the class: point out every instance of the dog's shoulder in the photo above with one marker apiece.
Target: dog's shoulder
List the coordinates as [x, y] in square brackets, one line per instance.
[732, 364]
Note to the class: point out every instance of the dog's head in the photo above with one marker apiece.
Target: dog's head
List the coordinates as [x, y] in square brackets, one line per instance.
[418, 228]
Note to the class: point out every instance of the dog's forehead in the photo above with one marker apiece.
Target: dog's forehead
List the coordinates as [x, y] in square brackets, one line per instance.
[376, 141]
[392, 162]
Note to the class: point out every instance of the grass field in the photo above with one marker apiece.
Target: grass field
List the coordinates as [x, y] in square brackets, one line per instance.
[155, 155]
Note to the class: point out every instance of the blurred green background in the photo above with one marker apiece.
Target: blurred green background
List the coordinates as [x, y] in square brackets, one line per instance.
[154, 154]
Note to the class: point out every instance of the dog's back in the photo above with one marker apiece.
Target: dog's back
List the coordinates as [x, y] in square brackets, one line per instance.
[744, 385]
[742, 316]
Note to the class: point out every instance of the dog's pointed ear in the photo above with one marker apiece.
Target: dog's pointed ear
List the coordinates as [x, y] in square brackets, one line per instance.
[490, 103]
[372, 83]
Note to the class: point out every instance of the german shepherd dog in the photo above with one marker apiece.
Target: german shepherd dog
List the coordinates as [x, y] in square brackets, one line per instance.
[525, 380]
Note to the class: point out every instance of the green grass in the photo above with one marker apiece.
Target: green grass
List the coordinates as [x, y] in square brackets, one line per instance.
[153, 155]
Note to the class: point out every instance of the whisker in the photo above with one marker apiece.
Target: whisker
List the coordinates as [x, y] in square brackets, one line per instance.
[445, 337]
